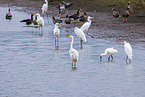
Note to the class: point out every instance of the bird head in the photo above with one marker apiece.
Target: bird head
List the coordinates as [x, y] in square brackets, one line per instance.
[67, 36]
[123, 42]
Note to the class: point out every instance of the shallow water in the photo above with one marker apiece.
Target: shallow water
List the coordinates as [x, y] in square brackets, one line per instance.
[31, 65]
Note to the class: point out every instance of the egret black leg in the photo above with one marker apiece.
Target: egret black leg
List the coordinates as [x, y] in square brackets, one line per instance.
[81, 43]
[100, 58]
[112, 57]
[126, 58]
[55, 41]
[72, 64]
[129, 60]
[109, 58]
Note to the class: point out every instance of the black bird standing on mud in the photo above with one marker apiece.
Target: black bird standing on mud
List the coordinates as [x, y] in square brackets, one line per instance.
[9, 15]
[76, 16]
[115, 14]
[126, 14]
[67, 21]
[28, 21]
[83, 18]
[56, 20]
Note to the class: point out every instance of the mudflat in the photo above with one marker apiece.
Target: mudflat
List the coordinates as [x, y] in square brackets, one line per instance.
[103, 25]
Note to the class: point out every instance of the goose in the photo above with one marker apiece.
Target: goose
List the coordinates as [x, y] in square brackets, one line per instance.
[67, 21]
[9, 15]
[56, 20]
[83, 18]
[28, 21]
[115, 14]
[126, 14]
[61, 9]
[76, 16]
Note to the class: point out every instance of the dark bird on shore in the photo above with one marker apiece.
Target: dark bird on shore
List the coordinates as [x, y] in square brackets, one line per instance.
[76, 16]
[130, 7]
[9, 15]
[66, 4]
[67, 21]
[61, 9]
[83, 18]
[28, 21]
[56, 20]
[126, 14]
[115, 14]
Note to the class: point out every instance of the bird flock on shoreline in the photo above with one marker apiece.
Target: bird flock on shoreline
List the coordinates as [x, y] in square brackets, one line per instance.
[38, 22]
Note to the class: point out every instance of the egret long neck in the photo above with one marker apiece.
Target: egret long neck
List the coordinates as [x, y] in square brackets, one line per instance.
[46, 1]
[71, 46]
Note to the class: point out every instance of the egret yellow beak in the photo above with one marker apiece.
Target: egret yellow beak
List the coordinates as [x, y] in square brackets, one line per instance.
[34, 14]
[122, 43]
[92, 17]
[60, 23]
[72, 28]
[67, 36]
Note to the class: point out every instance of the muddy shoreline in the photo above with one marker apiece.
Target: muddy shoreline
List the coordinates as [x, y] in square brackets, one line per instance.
[103, 26]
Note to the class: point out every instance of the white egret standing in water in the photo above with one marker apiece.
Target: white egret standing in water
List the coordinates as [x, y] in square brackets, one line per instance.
[128, 51]
[87, 24]
[56, 32]
[110, 52]
[80, 34]
[74, 54]
[40, 22]
[45, 8]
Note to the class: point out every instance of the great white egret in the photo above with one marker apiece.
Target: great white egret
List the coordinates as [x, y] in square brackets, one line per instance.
[128, 50]
[80, 34]
[115, 14]
[28, 21]
[56, 32]
[126, 14]
[9, 15]
[87, 24]
[74, 54]
[110, 52]
[67, 21]
[45, 7]
[40, 21]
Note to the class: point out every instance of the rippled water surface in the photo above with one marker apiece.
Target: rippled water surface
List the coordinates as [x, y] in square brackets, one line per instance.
[31, 65]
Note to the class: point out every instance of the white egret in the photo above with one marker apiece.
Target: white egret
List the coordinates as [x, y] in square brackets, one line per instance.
[87, 24]
[74, 54]
[45, 7]
[110, 52]
[80, 34]
[9, 15]
[56, 31]
[128, 50]
[40, 21]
